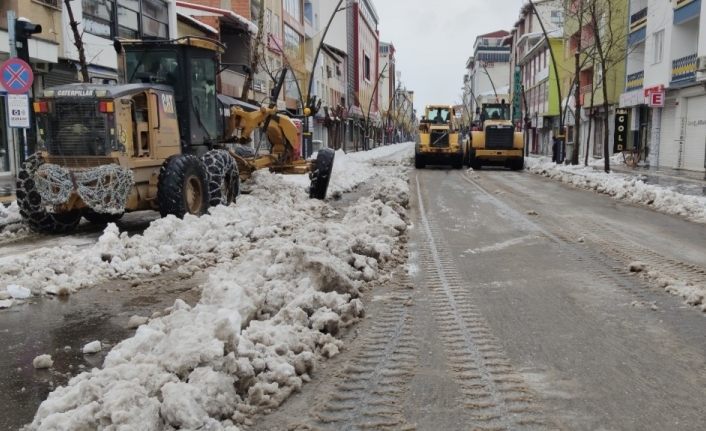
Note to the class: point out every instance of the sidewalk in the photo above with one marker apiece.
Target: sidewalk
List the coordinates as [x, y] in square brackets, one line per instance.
[7, 189]
[681, 181]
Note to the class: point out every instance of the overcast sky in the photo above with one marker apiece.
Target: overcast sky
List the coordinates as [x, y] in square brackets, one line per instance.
[433, 39]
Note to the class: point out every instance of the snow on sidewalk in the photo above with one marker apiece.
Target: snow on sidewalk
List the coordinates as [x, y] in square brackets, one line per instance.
[623, 187]
[287, 281]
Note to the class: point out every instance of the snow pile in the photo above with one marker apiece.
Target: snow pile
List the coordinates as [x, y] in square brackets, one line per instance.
[9, 214]
[352, 169]
[92, 347]
[289, 275]
[11, 226]
[42, 362]
[623, 187]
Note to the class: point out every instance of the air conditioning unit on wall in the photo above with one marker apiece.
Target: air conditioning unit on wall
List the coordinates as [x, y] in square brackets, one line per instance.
[701, 64]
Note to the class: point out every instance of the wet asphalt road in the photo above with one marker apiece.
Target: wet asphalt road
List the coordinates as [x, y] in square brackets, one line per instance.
[522, 315]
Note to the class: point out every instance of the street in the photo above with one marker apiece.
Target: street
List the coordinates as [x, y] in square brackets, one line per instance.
[510, 301]
[521, 314]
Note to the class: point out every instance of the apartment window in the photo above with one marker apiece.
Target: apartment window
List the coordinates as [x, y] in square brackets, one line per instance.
[132, 19]
[658, 38]
[292, 40]
[557, 17]
[128, 19]
[309, 12]
[276, 26]
[55, 3]
[97, 17]
[366, 67]
[293, 8]
[155, 18]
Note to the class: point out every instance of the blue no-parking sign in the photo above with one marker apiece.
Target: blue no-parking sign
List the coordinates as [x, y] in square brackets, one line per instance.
[16, 76]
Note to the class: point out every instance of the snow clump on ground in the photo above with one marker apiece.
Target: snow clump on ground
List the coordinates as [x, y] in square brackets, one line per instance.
[623, 187]
[287, 281]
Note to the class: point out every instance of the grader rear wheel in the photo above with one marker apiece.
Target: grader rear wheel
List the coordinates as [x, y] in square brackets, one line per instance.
[182, 187]
[30, 202]
[321, 175]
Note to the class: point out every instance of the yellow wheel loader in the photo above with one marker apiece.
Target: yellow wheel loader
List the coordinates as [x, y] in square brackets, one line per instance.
[497, 143]
[162, 139]
[438, 142]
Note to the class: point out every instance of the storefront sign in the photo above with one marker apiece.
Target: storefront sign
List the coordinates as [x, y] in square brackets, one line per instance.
[18, 111]
[656, 100]
[621, 130]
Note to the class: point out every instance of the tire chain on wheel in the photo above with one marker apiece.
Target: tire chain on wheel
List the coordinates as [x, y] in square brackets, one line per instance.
[30, 202]
[171, 184]
[219, 163]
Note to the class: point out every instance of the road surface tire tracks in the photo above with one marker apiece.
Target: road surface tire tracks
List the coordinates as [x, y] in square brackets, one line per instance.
[494, 395]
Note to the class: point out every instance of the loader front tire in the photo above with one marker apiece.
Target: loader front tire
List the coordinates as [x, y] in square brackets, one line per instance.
[182, 187]
[321, 175]
[30, 203]
[223, 177]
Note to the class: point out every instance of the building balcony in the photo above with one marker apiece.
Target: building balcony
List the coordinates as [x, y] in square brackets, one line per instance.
[686, 10]
[638, 27]
[634, 81]
[684, 70]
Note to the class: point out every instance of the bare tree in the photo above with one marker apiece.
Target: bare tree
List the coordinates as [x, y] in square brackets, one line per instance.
[255, 61]
[78, 41]
[601, 42]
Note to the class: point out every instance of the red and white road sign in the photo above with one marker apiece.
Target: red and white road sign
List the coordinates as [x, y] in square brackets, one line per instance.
[16, 76]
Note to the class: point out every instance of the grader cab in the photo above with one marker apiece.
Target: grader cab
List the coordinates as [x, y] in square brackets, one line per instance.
[161, 139]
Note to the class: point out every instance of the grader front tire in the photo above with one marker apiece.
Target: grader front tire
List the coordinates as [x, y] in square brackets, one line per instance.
[321, 175]
[182, 186]
[30, 202]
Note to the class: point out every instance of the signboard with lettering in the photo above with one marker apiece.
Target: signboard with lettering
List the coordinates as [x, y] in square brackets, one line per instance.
[621, 130]
[657, 100]
[18, 111]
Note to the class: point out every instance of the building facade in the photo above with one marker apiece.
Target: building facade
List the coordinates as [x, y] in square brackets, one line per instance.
[535, 88]
[579, 26]
[664, 92]
[488, 71]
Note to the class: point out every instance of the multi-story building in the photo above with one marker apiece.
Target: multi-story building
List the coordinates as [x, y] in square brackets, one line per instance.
[535, 89]
[663, 92]
[591, 83]
[488, 70]
[387, 88]
[235, 32]
[363, 68]
[333, 72]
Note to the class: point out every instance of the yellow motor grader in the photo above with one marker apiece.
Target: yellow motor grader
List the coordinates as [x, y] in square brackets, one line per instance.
[161, 139]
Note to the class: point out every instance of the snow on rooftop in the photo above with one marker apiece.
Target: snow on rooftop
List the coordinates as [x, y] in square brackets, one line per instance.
[286, 281]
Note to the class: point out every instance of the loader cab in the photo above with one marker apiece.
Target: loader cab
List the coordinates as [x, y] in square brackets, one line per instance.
[189, 66]
[499, 112]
